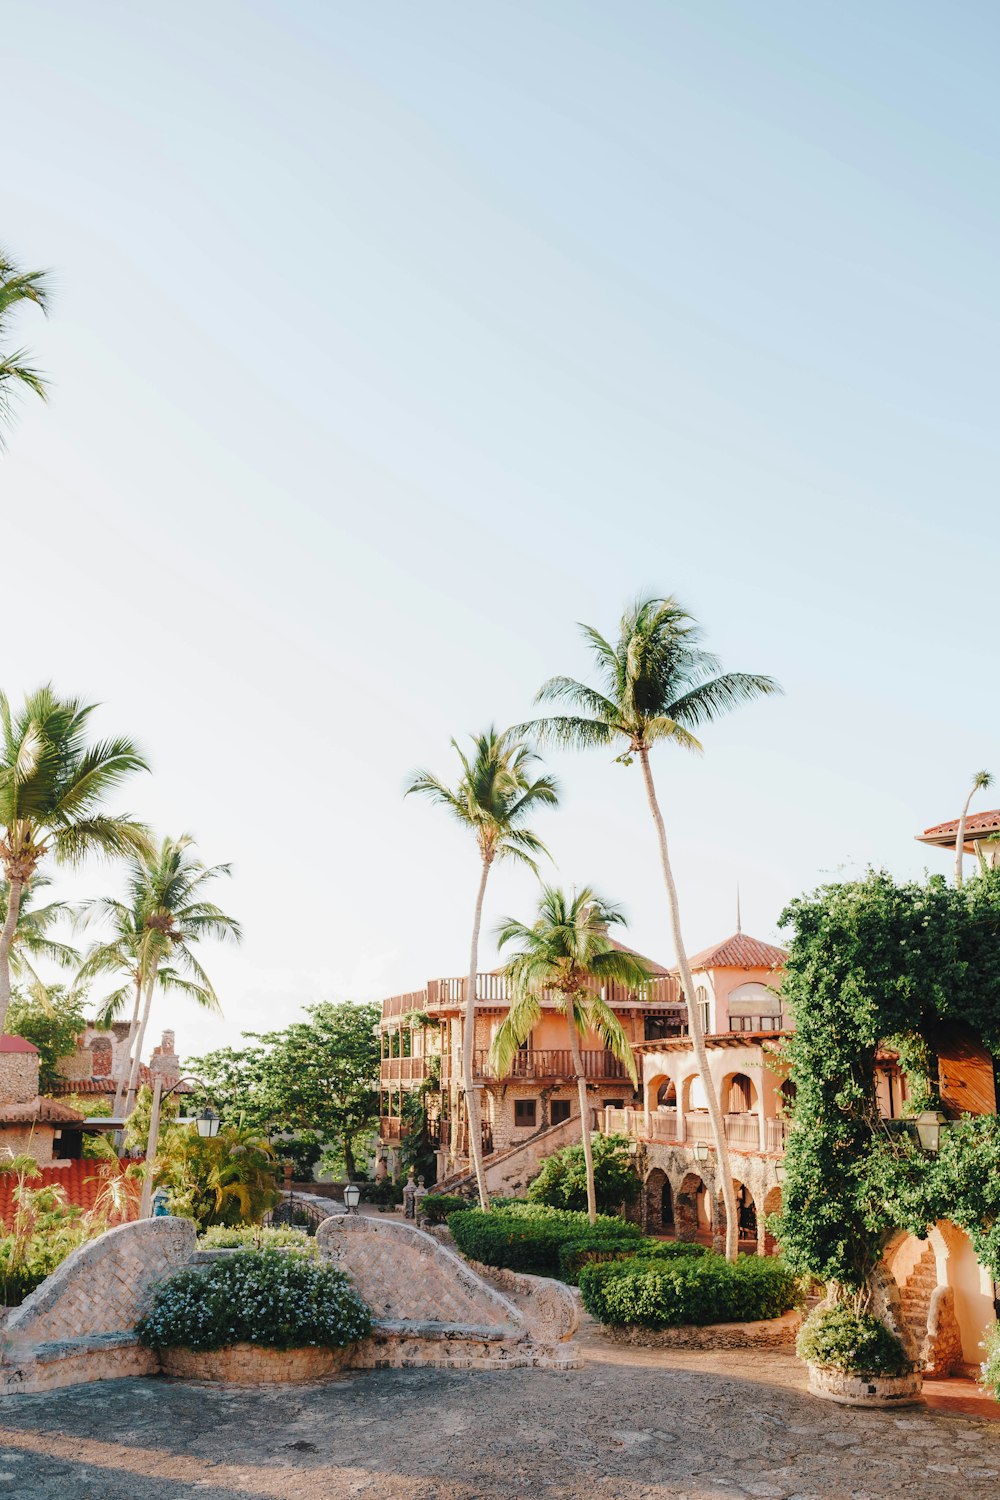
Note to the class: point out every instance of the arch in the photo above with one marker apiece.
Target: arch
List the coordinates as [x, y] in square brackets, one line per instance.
[692, 1093]
[746, 1214]
[738, 1093]
[691, 1213]
[771, 1205]
[657, 1198]
[661, 1091]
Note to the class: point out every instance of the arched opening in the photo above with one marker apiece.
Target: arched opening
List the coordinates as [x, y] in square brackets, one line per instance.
[692, 1093]
[692, 1216]
[661, 1093]
[658, 1202]
[746, 1215]
[739, 1096]
[772, 1205]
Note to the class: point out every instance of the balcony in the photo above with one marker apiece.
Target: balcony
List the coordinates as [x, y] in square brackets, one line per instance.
[669, 1127]
[403, 1069]
[535, 1063]
[439, 995]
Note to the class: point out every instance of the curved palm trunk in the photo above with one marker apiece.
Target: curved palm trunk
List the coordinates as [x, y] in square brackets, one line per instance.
[124, 1071]
[581, 1089]
[694, 1019]
[6, 943]
[960, 840]
[469, 1047]
[133, 1081]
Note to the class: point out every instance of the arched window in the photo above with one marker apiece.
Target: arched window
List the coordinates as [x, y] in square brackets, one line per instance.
[740, 1098]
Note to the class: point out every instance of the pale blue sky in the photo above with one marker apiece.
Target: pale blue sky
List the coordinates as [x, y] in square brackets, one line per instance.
[391, 339]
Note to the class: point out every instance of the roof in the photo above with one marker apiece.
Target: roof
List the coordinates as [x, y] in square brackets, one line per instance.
[10, 1043]
[108, 1086]
[39, 1111]
[717, 1039]
[81, 1181]
[977, 826]
[741, 951]
[651, 964]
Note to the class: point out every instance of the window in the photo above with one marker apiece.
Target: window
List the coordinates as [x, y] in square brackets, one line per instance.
[701, 997]
[525, 1111]
[613, 1103]
[560, 1110]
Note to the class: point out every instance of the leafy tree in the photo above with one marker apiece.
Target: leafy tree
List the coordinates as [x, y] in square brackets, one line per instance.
[318, 1076]
[230, 1178]
[980, 782]
[53, 787]
[566, 954]
[155, 933]
[16, 373]
[568, 1181]
[495, 795]
[657, 685]
[52, 1021]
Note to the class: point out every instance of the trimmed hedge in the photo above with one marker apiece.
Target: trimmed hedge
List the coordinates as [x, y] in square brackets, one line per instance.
[529, 1237]
[585, 1251]
[436, 1207]
[668, 1292]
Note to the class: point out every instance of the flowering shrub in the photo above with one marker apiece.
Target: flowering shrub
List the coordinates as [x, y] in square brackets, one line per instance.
[278, 1300]
[257, 1237]
[990, 1367]
[841, 1339]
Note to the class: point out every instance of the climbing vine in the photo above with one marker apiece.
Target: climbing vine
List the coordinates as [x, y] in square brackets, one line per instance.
[872, 964]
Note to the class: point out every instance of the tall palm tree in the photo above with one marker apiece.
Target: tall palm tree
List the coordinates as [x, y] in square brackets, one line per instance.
[566, 954]
[16, 374]
[980, 782]
[53, 786]
[155, 932]
[657, 684]
[496, 793]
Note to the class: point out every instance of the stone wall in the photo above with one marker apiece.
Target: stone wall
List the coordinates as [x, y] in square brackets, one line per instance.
[676, 1165]
[29, 1140]
[18, 1077]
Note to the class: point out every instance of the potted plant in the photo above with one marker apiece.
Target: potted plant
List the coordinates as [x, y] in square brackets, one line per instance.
[255, 1317]
[854, 1358]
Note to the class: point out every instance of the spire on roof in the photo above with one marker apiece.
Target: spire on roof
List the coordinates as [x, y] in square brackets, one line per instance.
[739, 919]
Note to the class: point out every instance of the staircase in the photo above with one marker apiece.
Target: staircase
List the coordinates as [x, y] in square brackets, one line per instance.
[509, 1171]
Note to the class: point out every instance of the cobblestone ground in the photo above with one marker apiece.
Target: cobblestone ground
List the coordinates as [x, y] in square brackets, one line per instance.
[631, 1425]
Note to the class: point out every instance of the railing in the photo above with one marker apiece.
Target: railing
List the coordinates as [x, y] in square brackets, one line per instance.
[390, 1129]
[664, 1125]
[772, 1022]
[403, 1069]
[546, 1062]
[491, 989]
[669, 1126]
[776, 1134]
[741, 1130]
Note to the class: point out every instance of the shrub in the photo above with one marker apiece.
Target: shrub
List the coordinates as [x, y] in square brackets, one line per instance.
[667, 1291]
[585, 1251]
[841, 1339]
[562, 1181]
[257, 1237]
[385, 1194]
[281, 1301]
[437, 1206]
[990, 1367]
[529, 1237]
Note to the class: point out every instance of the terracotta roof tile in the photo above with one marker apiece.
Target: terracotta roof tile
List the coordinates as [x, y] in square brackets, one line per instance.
[39, 1111]
[10, 1043]
[976, 826]
[81, 1180]
[740, 952]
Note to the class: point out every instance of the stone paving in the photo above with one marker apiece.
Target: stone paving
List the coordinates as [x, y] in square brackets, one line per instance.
[632, 1424]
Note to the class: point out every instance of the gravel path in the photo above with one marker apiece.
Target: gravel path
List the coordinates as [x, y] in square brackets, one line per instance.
[631, 1425]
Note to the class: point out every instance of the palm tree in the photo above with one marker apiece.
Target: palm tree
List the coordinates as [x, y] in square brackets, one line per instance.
[495, 795]
[53, 786]
[980, 782]
[567, 954]
[17, 287]
[657, 684]
[33, 938]
[155, 932]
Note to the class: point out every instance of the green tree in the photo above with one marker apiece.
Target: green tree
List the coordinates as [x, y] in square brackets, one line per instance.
[980, 782]
[319, 1076]
[496, 793]
[564, 1181]
[51, 1020]
[567, 955]
[657, 685]
[17, 374]
[53, 787]
[156, 931]
[230, 1178]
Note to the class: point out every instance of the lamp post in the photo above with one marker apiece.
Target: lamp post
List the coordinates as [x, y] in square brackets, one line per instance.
[207, 1123]
[352, 1197]
[701, 1150]
[781, 1173]
[929, 1130]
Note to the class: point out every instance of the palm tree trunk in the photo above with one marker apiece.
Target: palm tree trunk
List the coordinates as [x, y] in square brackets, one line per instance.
[14, 890]
[133, 1081]
[694, 1018]
[960, 840]
[581, 1089]
[469, 1048]
[126, 1063]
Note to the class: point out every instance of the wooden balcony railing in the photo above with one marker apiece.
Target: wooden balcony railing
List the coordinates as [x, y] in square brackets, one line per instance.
[668, 1125]
[390, 1129]
[403, 1069]
[547, 1062]
[663, 992]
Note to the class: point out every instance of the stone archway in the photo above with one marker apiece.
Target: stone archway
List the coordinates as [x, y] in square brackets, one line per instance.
[657, 1202]
[689, 1207]
[747, 1218]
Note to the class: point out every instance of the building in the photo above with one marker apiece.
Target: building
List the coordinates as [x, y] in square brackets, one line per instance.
[92, 1070]
[982, 835]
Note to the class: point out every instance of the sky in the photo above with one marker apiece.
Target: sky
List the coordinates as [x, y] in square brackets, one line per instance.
[387, 342]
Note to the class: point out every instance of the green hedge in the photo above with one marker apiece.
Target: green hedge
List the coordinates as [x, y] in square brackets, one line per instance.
[666, 1292]
[587, 1250]
[437, 1207]
[529, 1237]
[839, 1339]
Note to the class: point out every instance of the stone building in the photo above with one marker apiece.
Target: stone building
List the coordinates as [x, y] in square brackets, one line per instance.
[32, 1124]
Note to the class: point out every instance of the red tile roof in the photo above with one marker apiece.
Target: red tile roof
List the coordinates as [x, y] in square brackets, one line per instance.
[10, 1043]
[651, 964]
[81, 1181]
[740, 952]
[39, 1111]
[977, 825]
